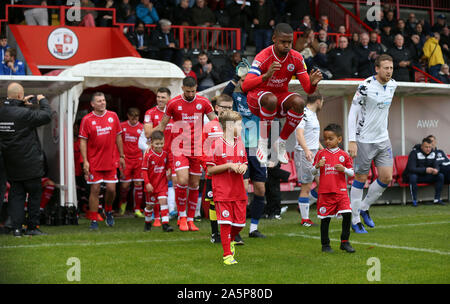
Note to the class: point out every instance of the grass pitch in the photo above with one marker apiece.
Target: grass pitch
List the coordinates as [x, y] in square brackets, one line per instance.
[408, 245]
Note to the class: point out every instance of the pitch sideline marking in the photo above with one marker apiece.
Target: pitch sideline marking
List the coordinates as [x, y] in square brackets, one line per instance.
[401, 225]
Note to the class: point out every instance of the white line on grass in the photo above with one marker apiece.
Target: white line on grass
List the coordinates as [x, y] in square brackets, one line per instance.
[373, 244]
[401, 225]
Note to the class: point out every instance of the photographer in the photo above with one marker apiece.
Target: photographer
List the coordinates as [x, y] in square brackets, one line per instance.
[22, 154]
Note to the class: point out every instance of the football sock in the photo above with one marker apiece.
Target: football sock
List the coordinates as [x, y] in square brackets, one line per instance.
[148, 212]
[266, 118]
[356, 194]
[123, 196]
[225, 230]
[46, 195]
[376, 189]
[156, 213]
[346, 221]
[292, 120]
[256, 211]
[324, 225]
[171, 198]
[138, 197]
[181, 195]
[213, 217]
[192, 203]
[165, 214]
[303, 205]
[235, 231]
[313, 196]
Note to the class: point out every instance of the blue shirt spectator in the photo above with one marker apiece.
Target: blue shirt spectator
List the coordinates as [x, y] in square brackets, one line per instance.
[146, 12]
[10, 65]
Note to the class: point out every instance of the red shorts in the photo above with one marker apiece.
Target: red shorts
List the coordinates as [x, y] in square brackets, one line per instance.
[133, 171]
[96, 177]
[154, 197]
[231, 213]
[254, 99]
[187, 162]
[331, 204]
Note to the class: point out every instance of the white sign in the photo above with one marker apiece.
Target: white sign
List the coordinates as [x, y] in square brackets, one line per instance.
[62, 43]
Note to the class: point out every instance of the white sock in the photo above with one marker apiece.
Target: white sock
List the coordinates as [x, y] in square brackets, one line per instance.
[303, 205]
[171, 199]
[376, 189]
[356, 194]
[253, 227]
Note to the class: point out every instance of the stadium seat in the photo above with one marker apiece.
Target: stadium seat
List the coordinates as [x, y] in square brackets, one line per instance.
[400, 162]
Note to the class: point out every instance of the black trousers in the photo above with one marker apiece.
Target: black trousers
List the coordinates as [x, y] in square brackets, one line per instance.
[2, 181]
[16, 202]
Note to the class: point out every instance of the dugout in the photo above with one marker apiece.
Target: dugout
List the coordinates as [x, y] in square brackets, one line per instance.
[126, 81]
[417, 110]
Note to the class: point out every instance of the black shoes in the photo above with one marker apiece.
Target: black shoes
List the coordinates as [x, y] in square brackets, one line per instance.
[256, 234]
[17, 232]
[215, 238]
[327, 249]
[347, 247]
[238, 239]
[34, 231]
[167, 228]
[147, 227]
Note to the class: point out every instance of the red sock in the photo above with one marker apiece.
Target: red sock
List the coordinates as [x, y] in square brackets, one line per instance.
[164, 214]
[138, 197]
[192, 203]
[234, 231]
[108, 208]
[148, 213]
[181, 195]
[123, 196]
[266, 118]
[292, 120]
[225, 238]
[47, 195]
[156, 211]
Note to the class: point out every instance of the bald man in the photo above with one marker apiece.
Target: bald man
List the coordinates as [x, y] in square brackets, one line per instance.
[22, 154]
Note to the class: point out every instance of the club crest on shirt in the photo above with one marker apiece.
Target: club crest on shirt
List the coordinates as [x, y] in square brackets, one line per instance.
[198, 106]
[177, 163]
[225, 213]
[94, 123]
[341, 158]
[110, 120]
[290, 67]
[322, 210]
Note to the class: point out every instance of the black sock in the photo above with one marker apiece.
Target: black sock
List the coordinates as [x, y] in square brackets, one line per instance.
[346, 221]
[324, 225]
[213, 218]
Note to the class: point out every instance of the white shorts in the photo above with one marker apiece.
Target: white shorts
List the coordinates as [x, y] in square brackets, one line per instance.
[303, 166]
[380, 153]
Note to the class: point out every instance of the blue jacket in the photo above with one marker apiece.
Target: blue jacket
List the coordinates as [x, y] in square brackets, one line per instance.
[147, 16]
[18, 65]
[2, 51]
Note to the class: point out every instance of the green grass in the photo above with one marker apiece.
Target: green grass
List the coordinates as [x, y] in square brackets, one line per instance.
[412, 245]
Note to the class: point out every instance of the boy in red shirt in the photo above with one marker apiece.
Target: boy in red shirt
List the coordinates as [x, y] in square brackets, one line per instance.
[333, 164]
[227, 165]
[154, 168]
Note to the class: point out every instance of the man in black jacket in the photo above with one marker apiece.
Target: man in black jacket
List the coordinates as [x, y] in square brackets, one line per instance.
[163, 41]
[23, 157]
[342, 60]
[140, 40]
[402, 59]
[366, 57]
[422, 167]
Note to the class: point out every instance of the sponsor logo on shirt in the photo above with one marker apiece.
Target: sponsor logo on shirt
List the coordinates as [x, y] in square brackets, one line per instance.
[103, 131]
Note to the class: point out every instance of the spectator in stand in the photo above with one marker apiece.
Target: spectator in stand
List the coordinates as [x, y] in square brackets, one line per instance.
[426, 27]
[146, 12]
[323, 24]
[366, 57]
[419, 31]
[306, 24]
[432, 53]
[36, 16]
[440, 23]
[400, 28]
[387, 38]
[416, 52]
[106, 16]
[323, 37]
[207, 76]
[374, 45]
[203, 16]
[422, 167]
[140, 39]
[182, 14]
[389, 20]
[354, 41]
[88, 16]
[187, 68]
[411, 23]
[240, 18]
[263, 22]
[402, 59]
[11, 65]
[342, 60]
[444, 42]
[163, 40]
[307, 45]
[3, 46]
[125, 12]
[293, 11]
[444, 75]
[376, 24]
[228, 70]
[342, 29]
[320, 61]
[442, 160]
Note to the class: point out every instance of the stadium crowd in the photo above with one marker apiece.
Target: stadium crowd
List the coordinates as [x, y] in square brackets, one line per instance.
[410, 41]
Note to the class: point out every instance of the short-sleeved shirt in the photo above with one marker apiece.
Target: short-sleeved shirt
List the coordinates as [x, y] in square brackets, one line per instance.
[154, 116]
[154, 168]
[292, 64]
[311, 126]
[101, 133]
[375, 100]
[130, 139]
[228, 185]
[331, 180]
[188, 123]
